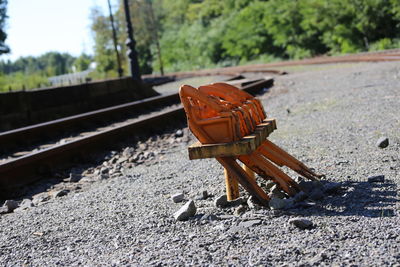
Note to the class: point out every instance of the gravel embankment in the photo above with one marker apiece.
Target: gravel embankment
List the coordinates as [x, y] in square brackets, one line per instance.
[330, 117]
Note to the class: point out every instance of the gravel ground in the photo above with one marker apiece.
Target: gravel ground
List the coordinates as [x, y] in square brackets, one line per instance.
[329, 117]
[173, 87]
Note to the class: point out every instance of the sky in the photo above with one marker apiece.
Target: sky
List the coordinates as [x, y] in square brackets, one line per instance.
[35, 27]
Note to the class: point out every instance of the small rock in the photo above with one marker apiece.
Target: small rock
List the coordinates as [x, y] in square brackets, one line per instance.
[26, 203]
[11, 205]
[268, 185]
[318, 259]
[316, 194]
[234, 229]
[74, 177]
[37, 233]
[221, 202]
[176, 198]
[250, 223]
[128, 152]
[142, 146]
[382, 142]
[114, 159]
[148, 154]
[226, 217]
[104, 176]
[203, 195]
[253, 203]
[277, 203]
[60, 193]
[376, 179]
[139, 162]
[210, 218]
[172, 141]
[186, 211]
[179, 133]
[220, 227]
[41, 197]
[104, 170]
[122, 160]
[240, 210]
[276, 192]
[301, 223]
[3, 210]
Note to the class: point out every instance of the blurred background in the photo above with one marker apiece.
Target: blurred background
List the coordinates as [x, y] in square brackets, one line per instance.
[49, 43]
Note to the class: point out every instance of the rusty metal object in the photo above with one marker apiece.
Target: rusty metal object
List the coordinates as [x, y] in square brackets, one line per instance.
[218, 116]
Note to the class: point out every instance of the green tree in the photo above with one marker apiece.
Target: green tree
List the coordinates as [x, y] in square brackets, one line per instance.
[3, 16]
[32, 72]
[197, 34]
[83, 62]
[104, 55]
[245, 37]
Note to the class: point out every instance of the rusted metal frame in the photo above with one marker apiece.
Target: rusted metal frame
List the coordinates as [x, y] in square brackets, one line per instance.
[281, 158]
[269, 171]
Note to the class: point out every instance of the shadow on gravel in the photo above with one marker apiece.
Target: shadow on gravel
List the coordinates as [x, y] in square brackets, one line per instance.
[357, 199]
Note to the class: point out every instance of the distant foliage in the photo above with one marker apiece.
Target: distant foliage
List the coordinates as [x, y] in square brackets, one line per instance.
[19, 81]
[3, 16]
[82, 62]
[32, 72]
[196, 34]
[104, 56]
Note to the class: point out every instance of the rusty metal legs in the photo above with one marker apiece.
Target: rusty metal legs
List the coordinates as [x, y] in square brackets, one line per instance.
[282, 158]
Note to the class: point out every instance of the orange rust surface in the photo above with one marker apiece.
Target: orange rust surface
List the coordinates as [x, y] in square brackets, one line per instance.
[221, 113]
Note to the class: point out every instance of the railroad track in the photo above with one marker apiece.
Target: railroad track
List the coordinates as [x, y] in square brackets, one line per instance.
[385, 55]
[28, 162]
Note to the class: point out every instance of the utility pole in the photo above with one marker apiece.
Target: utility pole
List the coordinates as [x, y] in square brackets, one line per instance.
[120, 71]
[130, 43]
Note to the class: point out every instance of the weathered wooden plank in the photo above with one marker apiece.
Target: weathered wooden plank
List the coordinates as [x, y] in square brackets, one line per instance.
[242, 147]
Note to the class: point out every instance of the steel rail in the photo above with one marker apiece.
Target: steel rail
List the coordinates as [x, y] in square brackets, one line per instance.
[31, 167]
[386, 55]
[32, 132]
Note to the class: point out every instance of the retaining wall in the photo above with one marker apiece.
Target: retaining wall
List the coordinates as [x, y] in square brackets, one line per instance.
[22, 108]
